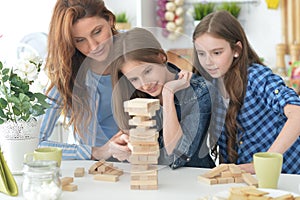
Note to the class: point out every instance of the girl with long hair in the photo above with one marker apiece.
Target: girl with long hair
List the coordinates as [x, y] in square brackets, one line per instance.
[263, 114]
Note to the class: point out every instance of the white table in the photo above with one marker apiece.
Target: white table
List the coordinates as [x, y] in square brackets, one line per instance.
[176, 184]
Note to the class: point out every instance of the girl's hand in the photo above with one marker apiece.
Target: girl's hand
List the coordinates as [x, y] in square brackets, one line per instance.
[249, 167]
[182, 82]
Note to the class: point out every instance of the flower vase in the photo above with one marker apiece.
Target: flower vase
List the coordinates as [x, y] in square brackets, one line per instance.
[17, 139]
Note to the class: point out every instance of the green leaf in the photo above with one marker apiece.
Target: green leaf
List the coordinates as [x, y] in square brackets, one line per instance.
[5, 71]
[37, 110]
[3, 103]
[2, 114]
[14, 100]
[5, 78]
[23, 97]
[1, 65]
[16, 111]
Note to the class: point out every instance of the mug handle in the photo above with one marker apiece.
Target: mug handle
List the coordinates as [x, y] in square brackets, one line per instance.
[28, 157]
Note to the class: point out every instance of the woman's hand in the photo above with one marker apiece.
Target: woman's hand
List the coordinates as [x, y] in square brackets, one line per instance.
[182, 82]
[118, 146]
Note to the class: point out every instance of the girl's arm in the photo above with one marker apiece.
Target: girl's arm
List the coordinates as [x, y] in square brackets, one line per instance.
[290, 131]
[172, 131]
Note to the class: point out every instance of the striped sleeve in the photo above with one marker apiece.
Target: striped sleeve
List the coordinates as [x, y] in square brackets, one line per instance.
[70, 151]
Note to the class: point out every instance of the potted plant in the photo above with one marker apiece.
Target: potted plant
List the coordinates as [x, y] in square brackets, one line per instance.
[122, 22]
[231, 7]
[20, 107]
[201, 10]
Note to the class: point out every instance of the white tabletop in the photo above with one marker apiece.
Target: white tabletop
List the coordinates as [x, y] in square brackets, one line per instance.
[176, 184]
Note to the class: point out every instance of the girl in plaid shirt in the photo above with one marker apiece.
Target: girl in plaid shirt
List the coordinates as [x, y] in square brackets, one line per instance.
[263, 114]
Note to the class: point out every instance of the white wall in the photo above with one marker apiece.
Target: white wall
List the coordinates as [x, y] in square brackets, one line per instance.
[19, 17]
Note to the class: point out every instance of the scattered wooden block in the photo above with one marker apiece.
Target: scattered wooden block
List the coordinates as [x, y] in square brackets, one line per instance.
[249, 179]
[216, 171]
[79, 172]
[210, 181]
[94, 167]
[70, 187]
[66, 180]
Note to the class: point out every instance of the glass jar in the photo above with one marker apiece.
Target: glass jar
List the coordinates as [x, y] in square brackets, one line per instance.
[41, 180]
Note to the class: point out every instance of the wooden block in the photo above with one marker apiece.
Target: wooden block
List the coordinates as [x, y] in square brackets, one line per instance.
[148, 187]
[145, 148]
[259, 197]
[210, 181]
[114, 171]
[106, 177]
[239, 179]
[94, 167]
[104, 167]
[237, 197]
[143, 182]
[249, 179]
[70, 187]
[285, 197]
[142, 103]
[149, 123]
[222, 180]
[152, 171]
[142, 178]
[134, 187]
[234, 169]
[254, 192]
[139, 167]
[79, 172]
[216, 171]
[66, 180]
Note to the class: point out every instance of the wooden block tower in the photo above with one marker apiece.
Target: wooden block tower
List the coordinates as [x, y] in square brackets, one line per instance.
[144, 144]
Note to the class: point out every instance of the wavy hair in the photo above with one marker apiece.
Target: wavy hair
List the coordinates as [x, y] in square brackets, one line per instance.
[221, 24]
[64, 60]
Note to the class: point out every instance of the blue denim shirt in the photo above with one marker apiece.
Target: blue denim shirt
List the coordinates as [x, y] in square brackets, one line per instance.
[193, 107]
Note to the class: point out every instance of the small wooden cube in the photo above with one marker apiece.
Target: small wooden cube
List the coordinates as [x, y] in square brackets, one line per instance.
[79, 172]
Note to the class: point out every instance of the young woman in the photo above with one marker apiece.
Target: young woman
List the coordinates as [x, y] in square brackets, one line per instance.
[79, 45]
[140, 69]
[263, 114]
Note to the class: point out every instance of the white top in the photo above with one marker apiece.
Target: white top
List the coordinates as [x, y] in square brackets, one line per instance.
[176, 184]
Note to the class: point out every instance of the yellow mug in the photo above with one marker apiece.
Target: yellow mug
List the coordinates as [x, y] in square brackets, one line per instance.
[45, 153]
[267, 167]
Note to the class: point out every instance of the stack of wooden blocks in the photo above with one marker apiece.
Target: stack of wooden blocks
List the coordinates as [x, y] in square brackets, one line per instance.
[144, 143]
[227, 173]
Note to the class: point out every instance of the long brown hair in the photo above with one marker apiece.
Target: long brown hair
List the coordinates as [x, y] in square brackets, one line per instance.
[222, 24]
[64, 60]
[137, 44]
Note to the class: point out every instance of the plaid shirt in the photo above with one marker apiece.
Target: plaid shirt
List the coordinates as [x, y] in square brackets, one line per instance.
[262, 118]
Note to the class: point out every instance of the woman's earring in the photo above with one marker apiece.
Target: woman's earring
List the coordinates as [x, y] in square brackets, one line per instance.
[236, 55]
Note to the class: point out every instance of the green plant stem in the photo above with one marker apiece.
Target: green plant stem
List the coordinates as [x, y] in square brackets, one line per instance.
[9, 110]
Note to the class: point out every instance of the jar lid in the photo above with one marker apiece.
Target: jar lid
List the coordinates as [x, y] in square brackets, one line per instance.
[40, 166]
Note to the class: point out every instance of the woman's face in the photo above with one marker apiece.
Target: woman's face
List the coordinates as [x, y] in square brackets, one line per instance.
[93, 37]
[214, 54]
[146, 77]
